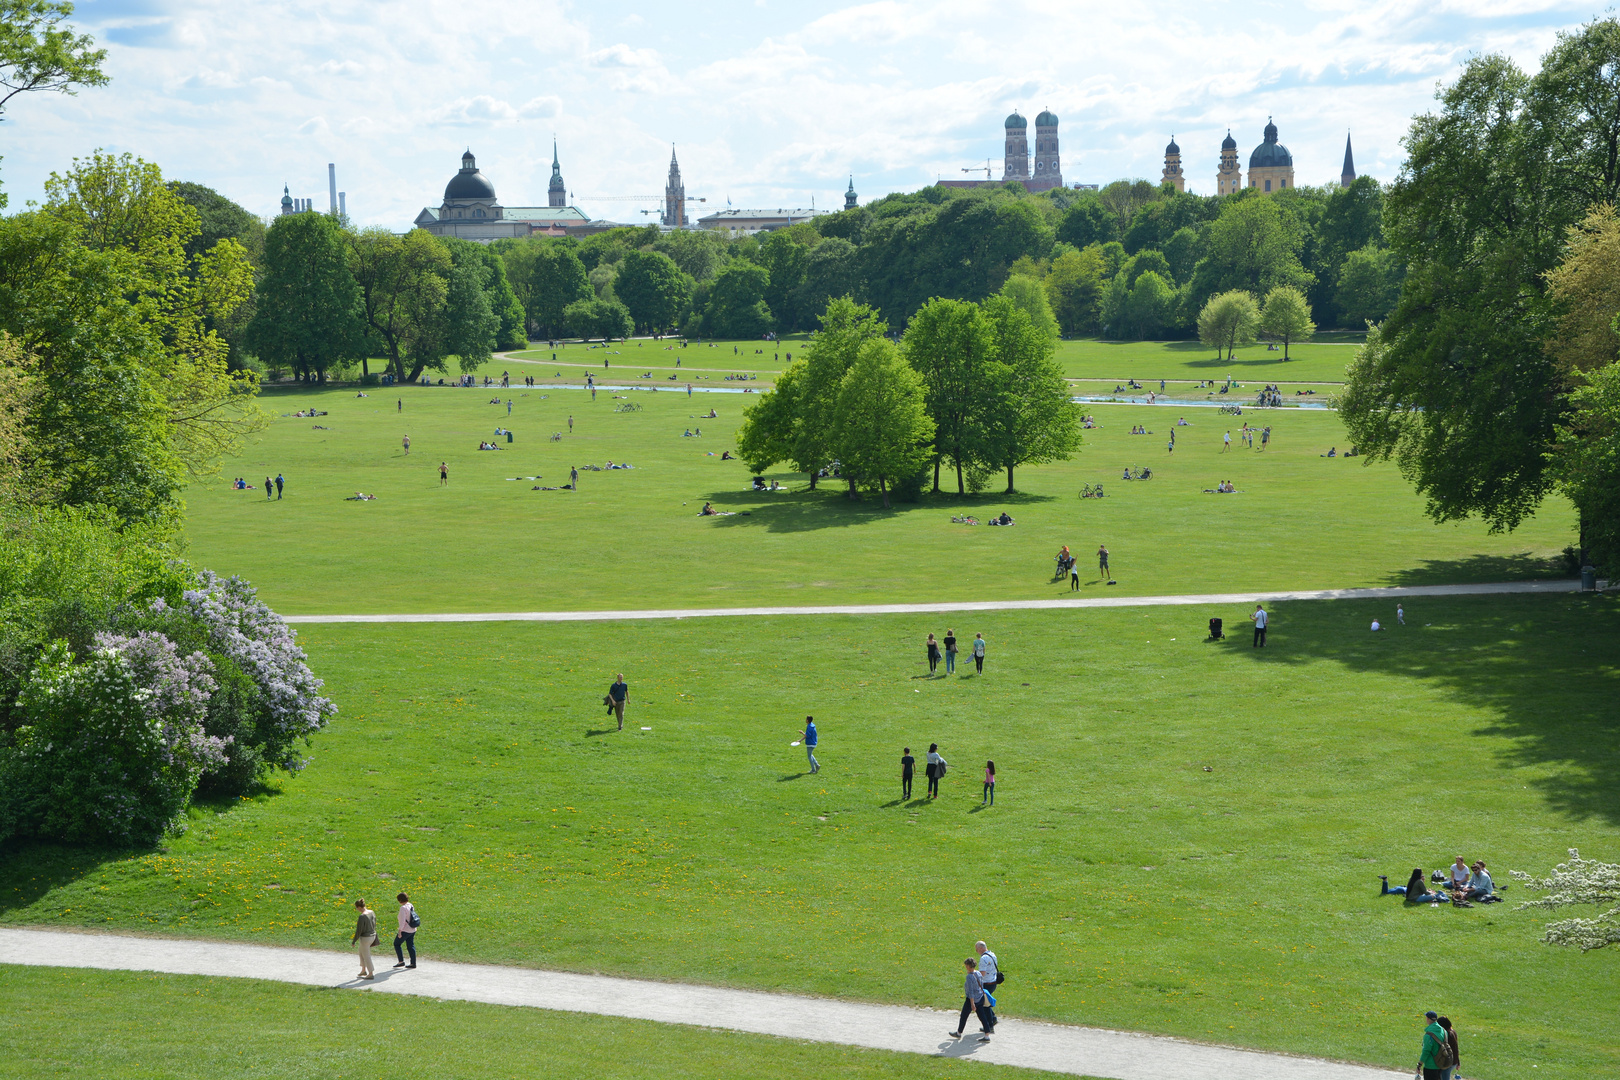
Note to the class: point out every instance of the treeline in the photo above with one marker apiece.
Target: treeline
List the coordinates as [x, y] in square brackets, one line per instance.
[1494, 382]
[129, 681]
[970, 388]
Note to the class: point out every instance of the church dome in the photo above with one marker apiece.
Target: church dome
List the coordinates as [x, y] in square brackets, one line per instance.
[469, 183]
[1016, 122]
[1172, 148]
[1228, 143]
[1271, 154]
[1047, 119]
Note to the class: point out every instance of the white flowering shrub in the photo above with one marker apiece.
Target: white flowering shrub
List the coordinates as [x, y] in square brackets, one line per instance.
[111, 746]
[1579, 881]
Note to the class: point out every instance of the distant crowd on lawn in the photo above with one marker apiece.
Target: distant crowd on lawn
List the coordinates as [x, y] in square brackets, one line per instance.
[1462, 884]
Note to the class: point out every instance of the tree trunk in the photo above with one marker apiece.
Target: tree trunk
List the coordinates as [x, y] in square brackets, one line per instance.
[961, 489]
[1285, 349]
[936, 473]
[365, 369]
[852, 496]
[812, 480]
[1009, 480]
[884, 487]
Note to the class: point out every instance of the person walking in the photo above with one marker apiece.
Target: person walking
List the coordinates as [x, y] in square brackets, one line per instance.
[1102, 561]
[399, 406]
[1400, 614]
[406, 442]
[1074, 575]
[593, 391]
[908, 767]
[573, 478]
[1260, 619]
[810, 738]
[364, 937]
[508, 406]
[616, 695]
[1436, 1047]
[269, 488]
[935, 769]
[950, 651]
[1452, 1070]
[280, 481]
[444, 473]
[989, 794]
[406, 935]
[933, 654]
[570, 423]
[978, 653]
[1226, 443]
[973, 1001]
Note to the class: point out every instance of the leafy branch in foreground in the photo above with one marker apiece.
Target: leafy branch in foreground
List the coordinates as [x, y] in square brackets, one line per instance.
[1579, 881]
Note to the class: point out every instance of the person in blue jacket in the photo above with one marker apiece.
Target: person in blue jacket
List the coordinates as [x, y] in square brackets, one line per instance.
[810, 743]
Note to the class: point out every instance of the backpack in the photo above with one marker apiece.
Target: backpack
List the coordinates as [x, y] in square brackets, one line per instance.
[414, 920]
[1442, 1053]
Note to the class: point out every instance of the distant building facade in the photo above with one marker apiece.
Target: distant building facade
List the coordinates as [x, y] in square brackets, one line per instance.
[1047, 170]
[1271, 166]
[1172, 166]
[471, 210]
[674, 195]
[748, 222]
[1229, 177]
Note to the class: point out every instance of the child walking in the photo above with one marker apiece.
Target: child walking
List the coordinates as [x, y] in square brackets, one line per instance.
[989, 796]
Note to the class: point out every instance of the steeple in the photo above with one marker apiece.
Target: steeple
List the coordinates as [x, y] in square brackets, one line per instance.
[849, 196]
[1349, 176]
[286, 200]
[674, 194]
[556, 192]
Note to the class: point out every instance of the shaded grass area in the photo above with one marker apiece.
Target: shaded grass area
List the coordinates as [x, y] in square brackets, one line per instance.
[632, 538]
[1186, 837]
[74, 1023]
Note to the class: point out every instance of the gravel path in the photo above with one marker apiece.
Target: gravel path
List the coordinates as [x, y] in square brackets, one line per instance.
[1053, 1047]
[1391, 593]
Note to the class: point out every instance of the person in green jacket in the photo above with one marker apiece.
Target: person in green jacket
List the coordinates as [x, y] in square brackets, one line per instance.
[1434, 1042]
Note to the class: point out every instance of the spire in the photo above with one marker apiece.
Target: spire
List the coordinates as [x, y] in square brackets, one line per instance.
[556, 191]
[555, 167]
[1349, 175]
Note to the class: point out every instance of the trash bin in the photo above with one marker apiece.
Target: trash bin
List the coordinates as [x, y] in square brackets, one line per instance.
[508, 436]
[1588, 578]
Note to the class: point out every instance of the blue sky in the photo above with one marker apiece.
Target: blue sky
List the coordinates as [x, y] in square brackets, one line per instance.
[769, 103]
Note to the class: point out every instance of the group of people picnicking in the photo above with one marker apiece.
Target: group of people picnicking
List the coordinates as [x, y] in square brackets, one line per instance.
[1462, 884]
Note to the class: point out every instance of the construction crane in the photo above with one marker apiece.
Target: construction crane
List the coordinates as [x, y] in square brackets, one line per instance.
[985, 168]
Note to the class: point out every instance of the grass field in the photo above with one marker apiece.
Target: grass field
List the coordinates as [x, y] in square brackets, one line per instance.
[118, 1025]
[1122, 883]
[1181, 362]
[633, 538]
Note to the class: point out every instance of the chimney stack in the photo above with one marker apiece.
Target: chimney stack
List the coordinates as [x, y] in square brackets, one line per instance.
[343, 204]
[331, 183]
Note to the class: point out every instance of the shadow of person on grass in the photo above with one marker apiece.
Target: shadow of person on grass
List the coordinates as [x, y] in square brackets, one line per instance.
[1540, 668]
[594, 732]
[791, 776]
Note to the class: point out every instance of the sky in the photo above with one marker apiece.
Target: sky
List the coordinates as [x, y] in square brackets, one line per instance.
[767, 103]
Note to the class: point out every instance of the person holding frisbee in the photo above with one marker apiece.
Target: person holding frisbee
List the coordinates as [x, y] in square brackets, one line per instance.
[810, 743]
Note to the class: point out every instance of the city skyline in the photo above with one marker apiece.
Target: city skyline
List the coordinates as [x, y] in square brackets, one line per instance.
[770, 107]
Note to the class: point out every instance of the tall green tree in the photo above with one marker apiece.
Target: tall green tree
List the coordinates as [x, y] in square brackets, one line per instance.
[654, 290]
[845, 328]
[1586, 462]
[559, 278]
[605, 319]
[1255, 246]
[1029, 295]
[785, 258]
[1030, 417]
[308, 306]
[1228, 320]
[1369, 286]
[404, 284]
[39, 53]
[1150, 308]
[1286, 316]
[884, 431]
[831, 269]
[1459, 388]
[736, 307]
[1074, 286]
[949, 343]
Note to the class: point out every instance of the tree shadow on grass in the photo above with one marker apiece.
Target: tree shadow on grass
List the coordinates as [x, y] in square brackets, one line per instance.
[824, 508]
[1541, 668]
[29, 871]
[1483, 569]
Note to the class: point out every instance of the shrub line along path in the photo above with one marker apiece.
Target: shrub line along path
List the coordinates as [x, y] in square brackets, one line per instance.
[1390, 593]
[1051, 1047]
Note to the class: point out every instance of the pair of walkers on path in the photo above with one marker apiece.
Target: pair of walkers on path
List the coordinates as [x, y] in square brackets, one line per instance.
[365, 938]
[1439, 1058]
[949, 653]
[983, 976]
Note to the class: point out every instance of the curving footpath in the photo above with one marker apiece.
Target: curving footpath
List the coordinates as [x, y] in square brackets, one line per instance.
[1056, 1048]
[1059, 603]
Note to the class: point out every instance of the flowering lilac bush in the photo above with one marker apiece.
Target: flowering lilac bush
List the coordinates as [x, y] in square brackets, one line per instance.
[112, 746]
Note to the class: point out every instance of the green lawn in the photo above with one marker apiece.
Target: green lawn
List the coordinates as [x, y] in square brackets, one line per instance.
[1186, 837]
[633, 538]
[117, 1025]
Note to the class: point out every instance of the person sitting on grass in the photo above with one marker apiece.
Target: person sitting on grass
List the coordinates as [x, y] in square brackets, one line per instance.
[707, 511]
[1415, 891]
[1127, 474]
[725, 455]
[1480, 886]
[1333, 451]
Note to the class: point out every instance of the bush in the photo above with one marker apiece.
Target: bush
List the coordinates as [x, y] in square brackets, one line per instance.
[111, 748]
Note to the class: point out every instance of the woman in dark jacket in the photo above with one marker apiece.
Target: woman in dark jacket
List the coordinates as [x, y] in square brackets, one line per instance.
[933, 654]
[936, 769]
[1451, 1040]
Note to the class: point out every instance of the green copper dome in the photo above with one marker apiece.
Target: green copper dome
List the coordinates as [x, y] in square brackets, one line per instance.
[1048, 118]
[1016, 121]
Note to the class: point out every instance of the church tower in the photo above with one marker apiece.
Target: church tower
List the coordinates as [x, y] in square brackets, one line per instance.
[1349, 175]
[674, 194]
[556, 192]
[1229, 179]
[286, 200]
[1017, 163]
[849, 196]
[1048, 169]
[1172, 166]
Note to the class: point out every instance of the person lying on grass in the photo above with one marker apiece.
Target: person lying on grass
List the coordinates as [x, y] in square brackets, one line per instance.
[1415, 891]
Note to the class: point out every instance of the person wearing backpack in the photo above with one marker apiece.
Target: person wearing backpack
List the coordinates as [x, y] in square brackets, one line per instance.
[1435, 1061]
[1451, 1040]
[406, 937]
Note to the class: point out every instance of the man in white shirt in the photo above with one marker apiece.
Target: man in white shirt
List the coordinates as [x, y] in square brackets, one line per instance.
[1260, 619]
[989, 973]
[1459, 873]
